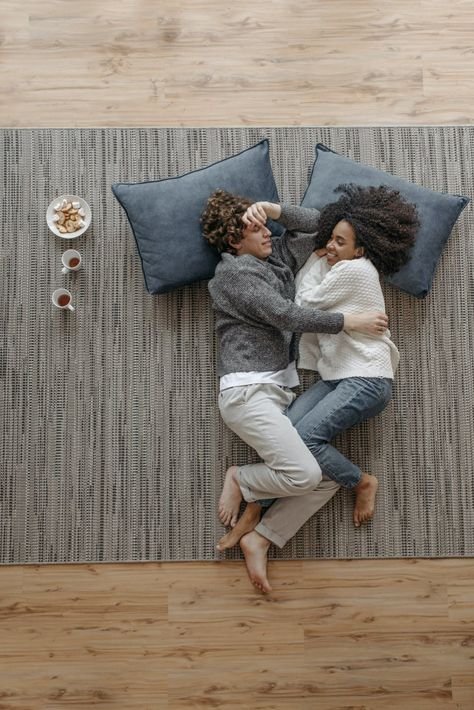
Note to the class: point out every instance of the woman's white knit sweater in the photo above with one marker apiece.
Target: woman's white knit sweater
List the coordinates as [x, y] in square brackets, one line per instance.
[347, 287]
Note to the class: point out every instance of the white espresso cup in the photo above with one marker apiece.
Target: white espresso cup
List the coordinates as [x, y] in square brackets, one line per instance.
[71, 260]
[62, 299]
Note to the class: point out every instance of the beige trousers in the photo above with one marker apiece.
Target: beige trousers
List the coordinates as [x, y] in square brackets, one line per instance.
[256, 414]
[288, 472]
[287, 515]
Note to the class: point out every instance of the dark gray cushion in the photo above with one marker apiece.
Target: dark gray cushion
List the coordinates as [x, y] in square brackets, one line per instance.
[164, 215]
[437, 212]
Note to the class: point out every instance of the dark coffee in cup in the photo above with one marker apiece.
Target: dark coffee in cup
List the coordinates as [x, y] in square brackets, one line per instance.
[71, 260]
[63, 300]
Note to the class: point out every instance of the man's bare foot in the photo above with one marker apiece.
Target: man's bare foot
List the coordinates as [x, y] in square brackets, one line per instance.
[245, 524]
[255, 548]
[229, 502]
[365, 491]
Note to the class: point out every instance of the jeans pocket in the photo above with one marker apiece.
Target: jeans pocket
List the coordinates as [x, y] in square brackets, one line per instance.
[381, 393]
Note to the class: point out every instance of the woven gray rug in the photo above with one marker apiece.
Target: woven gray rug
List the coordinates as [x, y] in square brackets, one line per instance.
[112, 448]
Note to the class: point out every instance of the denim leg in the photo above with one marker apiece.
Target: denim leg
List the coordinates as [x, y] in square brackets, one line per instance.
[307, 401]
[298, 409]
[351, 401]
[300, 413]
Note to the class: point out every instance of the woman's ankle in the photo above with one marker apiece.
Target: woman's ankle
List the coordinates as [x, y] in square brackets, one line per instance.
[366, 479]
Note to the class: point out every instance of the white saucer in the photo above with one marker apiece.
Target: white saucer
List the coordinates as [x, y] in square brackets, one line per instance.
[50, 212]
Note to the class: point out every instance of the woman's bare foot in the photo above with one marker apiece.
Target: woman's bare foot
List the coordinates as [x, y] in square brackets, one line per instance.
[365, 491]
[229, 502]
[245, 524]
[255, 548]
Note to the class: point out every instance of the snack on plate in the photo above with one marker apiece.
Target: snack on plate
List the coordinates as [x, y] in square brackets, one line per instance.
[68, 216]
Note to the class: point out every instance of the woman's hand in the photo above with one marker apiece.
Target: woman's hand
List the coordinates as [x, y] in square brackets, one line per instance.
[321, 252]
[369, 323]
[259, 212]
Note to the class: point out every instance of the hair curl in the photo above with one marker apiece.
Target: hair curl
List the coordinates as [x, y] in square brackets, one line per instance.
[221, 221]
[385, 224]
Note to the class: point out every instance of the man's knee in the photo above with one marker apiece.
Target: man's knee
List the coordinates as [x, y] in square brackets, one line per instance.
[315, 478]
[309, 479]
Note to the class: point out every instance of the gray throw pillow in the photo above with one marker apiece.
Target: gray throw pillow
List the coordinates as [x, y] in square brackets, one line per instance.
[164, 215]
[437, 211]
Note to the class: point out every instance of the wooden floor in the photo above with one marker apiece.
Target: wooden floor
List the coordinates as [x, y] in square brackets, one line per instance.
[364, 635]
[285, 62]
[375, 635]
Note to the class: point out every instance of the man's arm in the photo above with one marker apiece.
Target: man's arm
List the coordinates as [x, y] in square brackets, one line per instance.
[246, 293]
[299, 219]
[297, 243]
[296, 219]
[299, 240]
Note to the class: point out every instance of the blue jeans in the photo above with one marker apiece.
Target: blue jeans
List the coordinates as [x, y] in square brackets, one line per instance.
[330, 407]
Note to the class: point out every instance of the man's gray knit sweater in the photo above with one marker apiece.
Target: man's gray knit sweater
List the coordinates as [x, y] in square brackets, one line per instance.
[256, 318]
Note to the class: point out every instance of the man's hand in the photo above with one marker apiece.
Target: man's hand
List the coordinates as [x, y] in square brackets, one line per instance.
[369, 323]
[260, 211]
[321, 252]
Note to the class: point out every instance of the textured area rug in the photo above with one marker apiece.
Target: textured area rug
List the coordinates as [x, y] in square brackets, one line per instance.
[112, 447]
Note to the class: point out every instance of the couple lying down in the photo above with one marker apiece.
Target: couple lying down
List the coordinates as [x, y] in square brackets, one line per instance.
[320, 280]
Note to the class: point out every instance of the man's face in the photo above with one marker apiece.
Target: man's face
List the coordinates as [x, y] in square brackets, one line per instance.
[256, 240]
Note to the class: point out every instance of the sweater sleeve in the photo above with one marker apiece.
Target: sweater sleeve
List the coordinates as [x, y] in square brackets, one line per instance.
[299, 219]
[297, 243]
[247, 294]
[339, 289]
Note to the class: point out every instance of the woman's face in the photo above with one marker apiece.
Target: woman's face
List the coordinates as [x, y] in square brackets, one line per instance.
[342, 244]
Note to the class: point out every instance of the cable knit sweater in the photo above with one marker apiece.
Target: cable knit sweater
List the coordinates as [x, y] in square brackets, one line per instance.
[349, 286]
[256, 317]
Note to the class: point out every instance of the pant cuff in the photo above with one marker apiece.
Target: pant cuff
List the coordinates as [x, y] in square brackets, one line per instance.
[356, 483]
[271, 535]
[247, 494]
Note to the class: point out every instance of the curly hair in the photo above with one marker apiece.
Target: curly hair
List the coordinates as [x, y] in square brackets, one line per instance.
[385, 224]
[221, 220]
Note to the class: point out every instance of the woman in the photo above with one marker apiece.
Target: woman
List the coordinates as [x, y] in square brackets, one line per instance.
[367, 232]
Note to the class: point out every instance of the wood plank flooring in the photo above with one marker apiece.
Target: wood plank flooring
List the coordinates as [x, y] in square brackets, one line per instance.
[377, 635]
[365, 635]
[209, 63]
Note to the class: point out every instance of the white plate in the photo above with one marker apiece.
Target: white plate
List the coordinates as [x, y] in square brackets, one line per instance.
[50, 212]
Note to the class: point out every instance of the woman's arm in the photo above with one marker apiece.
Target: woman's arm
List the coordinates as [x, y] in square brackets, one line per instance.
[339, 287]
[351, 287]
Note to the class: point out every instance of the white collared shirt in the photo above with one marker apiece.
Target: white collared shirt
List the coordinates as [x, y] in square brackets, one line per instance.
[285, 378]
